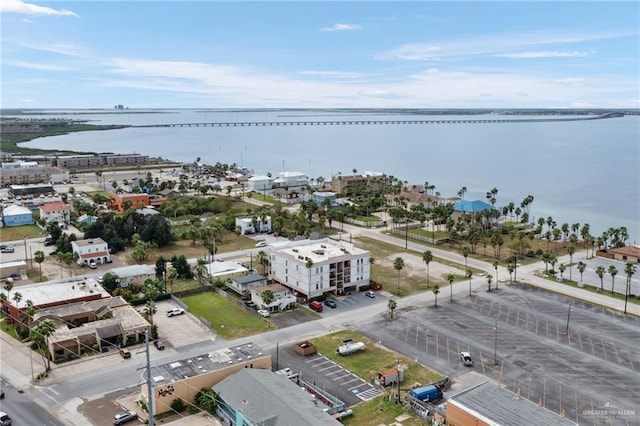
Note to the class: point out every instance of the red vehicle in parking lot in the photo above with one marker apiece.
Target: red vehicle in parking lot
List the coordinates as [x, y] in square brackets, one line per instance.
[316, 306]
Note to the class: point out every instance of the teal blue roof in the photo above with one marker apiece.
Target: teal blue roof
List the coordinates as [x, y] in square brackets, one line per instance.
[471, 206]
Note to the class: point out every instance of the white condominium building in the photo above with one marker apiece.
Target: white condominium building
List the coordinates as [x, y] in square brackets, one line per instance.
[312, 268]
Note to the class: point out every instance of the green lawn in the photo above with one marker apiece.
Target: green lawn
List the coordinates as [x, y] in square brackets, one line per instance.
[229, 320]
[14, 233]
[368, 363]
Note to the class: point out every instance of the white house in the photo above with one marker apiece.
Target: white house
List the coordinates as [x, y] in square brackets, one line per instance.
[55, 212]
[282, 297]
[290, 180]
[134, 274]
[92, 249]
[311, 268]
[252, 225]
[260, 184]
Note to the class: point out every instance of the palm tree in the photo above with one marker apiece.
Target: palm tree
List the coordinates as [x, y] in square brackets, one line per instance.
[172, 274]
[200, 268]
[267, 297]
[309, 264]
[150, 309]
[39, 334]
[465, 253]
[398, 265]
[392, 305]
[17, 297]
[570, 250]
[489, 281]
[8, 285]
[262, 259]
[629, 269]
[39, 258]
[436, 290]
[600, 271]
[451, 278]
[469, 274]
[612, 271]
[495, 266]
[581, 267]
[427, 257]
[510, 268]
[562, 268]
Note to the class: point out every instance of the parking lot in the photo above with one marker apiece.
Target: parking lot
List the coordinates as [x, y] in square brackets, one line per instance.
[518, 336]
[326, 374]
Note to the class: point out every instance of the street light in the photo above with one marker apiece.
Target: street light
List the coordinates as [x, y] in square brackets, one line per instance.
[495, 344]
[568, 317]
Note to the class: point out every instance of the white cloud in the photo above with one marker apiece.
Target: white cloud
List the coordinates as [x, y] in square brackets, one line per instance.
[66, 49]
[22, 8]
[508, 45]
[35, 66]
[333, 74]
[544, 54]
[342, 27]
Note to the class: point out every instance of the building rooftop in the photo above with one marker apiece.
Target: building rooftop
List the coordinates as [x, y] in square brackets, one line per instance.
[496, 405]
[471, 206]
[271, 399]
[318, 251]
[88, 242]
[224, 268]
[51, 292]
[248, 279]
[628, 251]
[15, 210]
[201, 364]
[54, 207]
[133, 271]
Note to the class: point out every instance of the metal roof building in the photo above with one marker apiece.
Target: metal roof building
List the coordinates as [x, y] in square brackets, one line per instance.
[488, 404]
[261, 397]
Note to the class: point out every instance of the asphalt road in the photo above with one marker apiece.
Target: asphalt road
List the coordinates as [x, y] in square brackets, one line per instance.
[23, 410]
[596, 365]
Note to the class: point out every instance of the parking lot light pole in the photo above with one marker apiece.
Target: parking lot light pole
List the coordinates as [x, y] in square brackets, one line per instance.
[568, 317]
[495, 344]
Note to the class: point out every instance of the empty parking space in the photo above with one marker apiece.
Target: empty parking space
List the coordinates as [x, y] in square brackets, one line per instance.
[326, 374]
[567, 355]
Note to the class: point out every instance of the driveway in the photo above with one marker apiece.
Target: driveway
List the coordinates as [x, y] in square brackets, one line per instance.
[180, 330]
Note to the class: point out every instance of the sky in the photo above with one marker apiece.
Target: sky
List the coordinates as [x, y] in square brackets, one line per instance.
[324, 54]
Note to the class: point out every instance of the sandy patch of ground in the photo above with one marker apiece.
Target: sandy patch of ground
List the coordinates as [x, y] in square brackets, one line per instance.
[415, 266]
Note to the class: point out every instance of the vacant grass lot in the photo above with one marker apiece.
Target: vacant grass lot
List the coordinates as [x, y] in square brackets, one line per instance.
[229, 320]
[387, 276]
[14, 233]
[367, 364]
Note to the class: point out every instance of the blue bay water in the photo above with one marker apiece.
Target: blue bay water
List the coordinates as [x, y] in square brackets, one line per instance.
[577, 171]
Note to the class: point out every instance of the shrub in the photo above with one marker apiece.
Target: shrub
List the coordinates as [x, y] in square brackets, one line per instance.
[178, 405]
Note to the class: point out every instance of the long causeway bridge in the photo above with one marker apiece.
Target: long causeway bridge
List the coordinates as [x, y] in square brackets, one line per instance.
[380, 122]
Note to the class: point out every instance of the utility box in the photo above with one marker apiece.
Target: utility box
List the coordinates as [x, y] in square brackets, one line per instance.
[305, 348]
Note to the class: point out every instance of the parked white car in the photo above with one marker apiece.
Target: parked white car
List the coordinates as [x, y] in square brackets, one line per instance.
[263, 313]
[175, 311]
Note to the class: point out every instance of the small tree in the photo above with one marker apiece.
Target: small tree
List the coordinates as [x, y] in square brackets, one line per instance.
[562, 267]
[581, 268]
[495, 266]
[489, 281]
[436, 290]
[392, 305]
[150, 309]
[267, 297]
[38, 256]
[207, 399]
[398, 265]
[600, 271]
[469, 274]
[451, 278]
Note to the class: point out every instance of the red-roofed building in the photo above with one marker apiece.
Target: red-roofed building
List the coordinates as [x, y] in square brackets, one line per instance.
[55, 212]
[92, 249]
[627, 254]
[121, 202]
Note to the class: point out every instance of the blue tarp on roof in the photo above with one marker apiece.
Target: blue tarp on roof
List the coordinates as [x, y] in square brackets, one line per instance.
[471, 206]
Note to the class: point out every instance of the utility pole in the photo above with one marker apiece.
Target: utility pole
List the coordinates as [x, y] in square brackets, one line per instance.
[149, 387]
[495, 345]
[568, 317]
